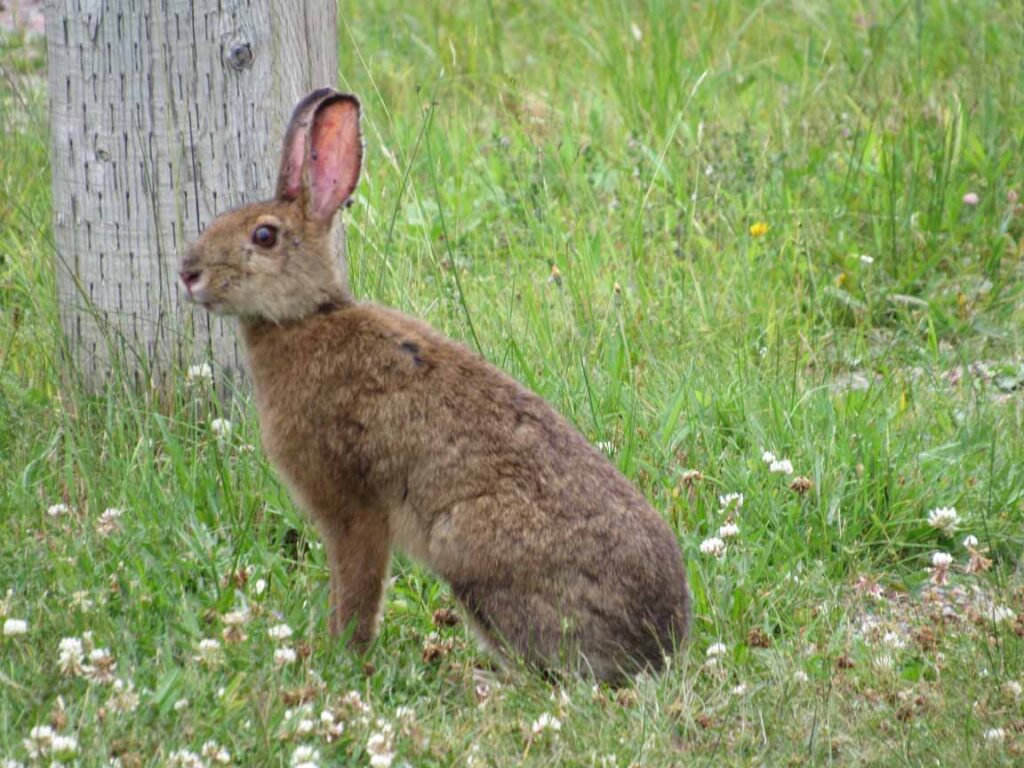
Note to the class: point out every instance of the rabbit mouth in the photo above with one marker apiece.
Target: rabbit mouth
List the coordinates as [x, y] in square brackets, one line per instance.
[200, 298]
[196, 286]
[207, 303]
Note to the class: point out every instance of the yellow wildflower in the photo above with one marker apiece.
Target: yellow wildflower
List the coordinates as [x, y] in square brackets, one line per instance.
[758, 229]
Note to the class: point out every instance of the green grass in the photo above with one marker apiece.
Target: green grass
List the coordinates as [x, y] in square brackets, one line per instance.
[631, 146]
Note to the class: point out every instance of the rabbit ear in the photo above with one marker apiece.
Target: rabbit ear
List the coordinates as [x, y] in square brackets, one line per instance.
[334, 157]
[293, 153]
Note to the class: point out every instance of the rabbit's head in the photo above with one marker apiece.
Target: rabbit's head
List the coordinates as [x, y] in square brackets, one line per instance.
[275, 260]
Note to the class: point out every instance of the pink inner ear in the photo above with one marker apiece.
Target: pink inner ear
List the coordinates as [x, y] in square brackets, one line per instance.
[335, 155]
[293, 153]
[290, 176]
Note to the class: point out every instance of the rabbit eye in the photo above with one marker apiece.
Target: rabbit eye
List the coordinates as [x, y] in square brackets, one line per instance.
[265, 236]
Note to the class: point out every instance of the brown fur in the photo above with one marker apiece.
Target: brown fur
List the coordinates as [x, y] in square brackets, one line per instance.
[392, 436]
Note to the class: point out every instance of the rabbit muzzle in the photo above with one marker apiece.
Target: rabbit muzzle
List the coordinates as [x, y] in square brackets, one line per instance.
[195, 280]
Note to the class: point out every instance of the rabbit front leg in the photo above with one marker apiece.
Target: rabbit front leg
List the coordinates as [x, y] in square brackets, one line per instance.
[358, 553]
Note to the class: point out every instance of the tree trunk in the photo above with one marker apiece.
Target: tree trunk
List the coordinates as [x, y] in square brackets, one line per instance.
[163, 114]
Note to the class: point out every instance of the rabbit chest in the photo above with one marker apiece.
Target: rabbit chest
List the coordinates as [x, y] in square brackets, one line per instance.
[330, 410]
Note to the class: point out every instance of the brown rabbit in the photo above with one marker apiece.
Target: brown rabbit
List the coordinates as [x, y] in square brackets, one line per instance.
[391, 435]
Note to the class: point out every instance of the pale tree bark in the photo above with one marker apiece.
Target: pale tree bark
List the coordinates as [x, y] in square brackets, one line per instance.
[163, 114]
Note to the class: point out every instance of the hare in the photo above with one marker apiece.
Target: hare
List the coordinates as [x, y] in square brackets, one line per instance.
[391, 436]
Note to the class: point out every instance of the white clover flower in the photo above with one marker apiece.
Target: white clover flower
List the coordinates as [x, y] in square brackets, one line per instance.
[221, 428]
[309, 764]
[42, 734]
[739, 690]
[353, 701]
[284, 655]
[546, 722]
[209, 749]
[125, 699]
[279, 632]
[70, 656]
[716, 650]
[101, 666]
[800, 676]
[209, 651]
[1001, 613]
[181, 705]
[865, 259]
[260, 586]
[109, 521]
[729, 530]
[56, 510]
[304, 727]
[893, 640]
[63, 748]
[380, 749]
[15, 627]
[408, 713]
[942, 559]
[731, 501]
[235, 618]
[944, 519]
[713, 546]
[691, 477]
[781, 466]
[885, 661]
[995, 735]
[305, 754]
[184, 758]
[38, 749]
[768, 457]
[970, 541]
[199, 374]
[213, 751]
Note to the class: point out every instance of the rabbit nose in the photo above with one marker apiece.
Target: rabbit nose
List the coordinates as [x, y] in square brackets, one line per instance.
[189, 277]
